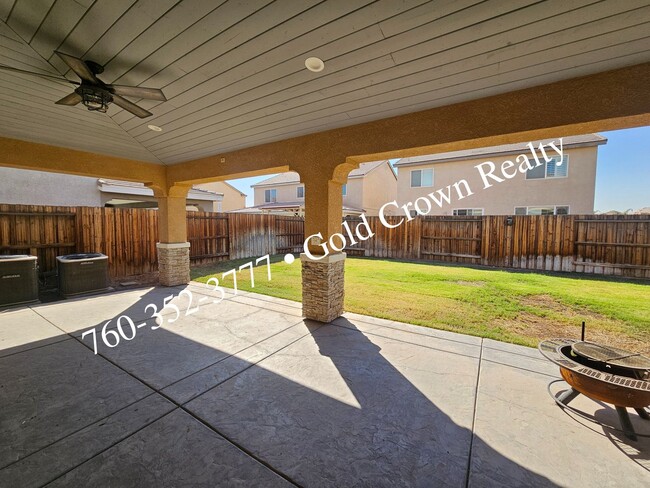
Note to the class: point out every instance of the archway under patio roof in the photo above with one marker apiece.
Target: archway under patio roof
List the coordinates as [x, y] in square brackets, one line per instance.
[229, 115]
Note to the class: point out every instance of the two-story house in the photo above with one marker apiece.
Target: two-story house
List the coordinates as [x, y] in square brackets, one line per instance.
[366, 190]
[548, 189]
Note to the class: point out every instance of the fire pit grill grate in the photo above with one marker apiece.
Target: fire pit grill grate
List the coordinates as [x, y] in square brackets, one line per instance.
[611, 355]
[604, 373]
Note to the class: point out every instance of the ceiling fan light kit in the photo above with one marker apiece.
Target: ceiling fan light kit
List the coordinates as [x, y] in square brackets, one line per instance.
[96, 95]
[95, 99]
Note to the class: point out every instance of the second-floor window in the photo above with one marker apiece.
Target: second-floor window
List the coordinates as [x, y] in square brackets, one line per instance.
[546, 210]
[421, 178]
[300, 192]
[468, 211]
[270, 196]
[344, 189]
[552, 169]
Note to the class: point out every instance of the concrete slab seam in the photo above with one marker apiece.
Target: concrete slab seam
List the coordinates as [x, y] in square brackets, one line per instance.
[178, 405]
[254, 364]
[413, 332]
[230, 356]
[79, 430]
[410, 343]
[112, 445]
[471, 439]
[35, 347]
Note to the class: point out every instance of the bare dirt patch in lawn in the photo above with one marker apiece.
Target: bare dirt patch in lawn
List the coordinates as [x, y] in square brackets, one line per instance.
[544, 301]
[478, 284]
[531, 325]
[550, 303]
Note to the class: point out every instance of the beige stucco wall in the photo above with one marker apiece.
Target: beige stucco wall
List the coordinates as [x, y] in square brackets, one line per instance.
[577, 190]
[380, 186]
[19, 186]
[369, 192]
[354, 195]
[284, 193]
[232, 198]
[24, 187]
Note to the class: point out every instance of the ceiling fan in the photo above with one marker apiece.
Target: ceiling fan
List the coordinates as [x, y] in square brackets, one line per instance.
[97, 95]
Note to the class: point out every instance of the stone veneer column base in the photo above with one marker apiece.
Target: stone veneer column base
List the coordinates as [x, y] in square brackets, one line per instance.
[323, 287]
[174, 263]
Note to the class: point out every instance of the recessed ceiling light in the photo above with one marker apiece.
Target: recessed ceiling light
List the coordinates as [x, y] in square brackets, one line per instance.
[314, 64]
[154, 128]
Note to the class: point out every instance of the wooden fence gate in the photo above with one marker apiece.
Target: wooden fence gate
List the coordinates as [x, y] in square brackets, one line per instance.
[209, 236]
[289, 234]
[455, 239]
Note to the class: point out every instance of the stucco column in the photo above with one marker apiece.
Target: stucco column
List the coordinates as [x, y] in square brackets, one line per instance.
[173, 248]
[323, 284]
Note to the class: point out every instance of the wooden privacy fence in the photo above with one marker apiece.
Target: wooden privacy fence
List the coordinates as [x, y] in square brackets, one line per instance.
[128, 236]
[597, 244]
[215, 236]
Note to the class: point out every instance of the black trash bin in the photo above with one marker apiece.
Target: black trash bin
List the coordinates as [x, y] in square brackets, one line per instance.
[18, 279]
[82, 273]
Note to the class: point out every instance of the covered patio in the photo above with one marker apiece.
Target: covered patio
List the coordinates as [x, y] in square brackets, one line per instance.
[246, 392]
[399, 79]
[254, 391]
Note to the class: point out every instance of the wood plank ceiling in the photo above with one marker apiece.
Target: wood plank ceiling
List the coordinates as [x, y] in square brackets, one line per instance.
[233, 71]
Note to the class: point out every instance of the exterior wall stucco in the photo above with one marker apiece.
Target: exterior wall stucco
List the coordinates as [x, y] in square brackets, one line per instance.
[285, 192]
[232, 198]
[368, 192]
[356, 189]
[384, 189]
[577, 190]
[24, 187]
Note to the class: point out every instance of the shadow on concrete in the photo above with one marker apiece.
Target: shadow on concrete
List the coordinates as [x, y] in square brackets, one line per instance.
[326, 408]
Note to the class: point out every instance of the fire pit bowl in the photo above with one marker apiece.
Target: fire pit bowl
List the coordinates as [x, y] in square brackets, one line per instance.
[608, 374]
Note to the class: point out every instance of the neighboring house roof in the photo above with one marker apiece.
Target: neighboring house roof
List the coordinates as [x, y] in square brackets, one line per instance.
[236, 189]
[291, 177]
[227, 184]
[570, 142]
[133, 188]
[281, 179]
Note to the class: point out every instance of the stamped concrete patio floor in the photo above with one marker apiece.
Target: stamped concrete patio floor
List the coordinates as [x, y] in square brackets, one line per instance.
[246, 393]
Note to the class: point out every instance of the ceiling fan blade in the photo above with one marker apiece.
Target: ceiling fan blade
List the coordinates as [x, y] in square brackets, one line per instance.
[130, 107]
[79, 67]
[54, 77]
[72, 99]
[138, 92]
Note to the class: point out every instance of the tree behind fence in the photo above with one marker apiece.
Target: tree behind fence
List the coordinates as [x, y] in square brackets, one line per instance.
[617, 245]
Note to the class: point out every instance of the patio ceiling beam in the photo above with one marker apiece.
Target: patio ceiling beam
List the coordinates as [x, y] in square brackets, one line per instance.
[15, 153]
[604, 101]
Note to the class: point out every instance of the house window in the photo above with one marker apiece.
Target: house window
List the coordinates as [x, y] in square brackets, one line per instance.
[467, 211]
[552, 169]
[270, 196]
[300, 192]
[344, 189]
[421, 178]
[546, 210]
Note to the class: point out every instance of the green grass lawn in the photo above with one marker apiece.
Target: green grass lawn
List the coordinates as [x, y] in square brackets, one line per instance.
[518, 307]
